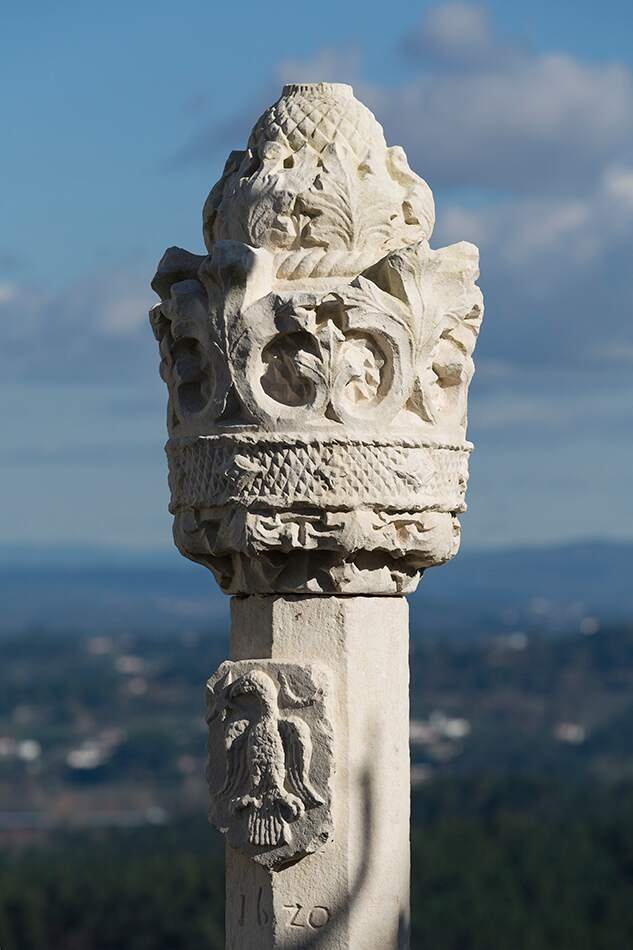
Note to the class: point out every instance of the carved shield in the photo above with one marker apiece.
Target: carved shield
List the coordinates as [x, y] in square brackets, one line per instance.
[270, 758]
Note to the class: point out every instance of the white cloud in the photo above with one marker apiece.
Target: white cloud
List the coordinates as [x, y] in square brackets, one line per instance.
[95, 328]
[533, 125]
[618, 352]
[477, 109]
[557, 277]
[124, 307]
[547, 407]
[457, 35]
[571, 233]
[618, 184]
[546, 140]
[8, 292]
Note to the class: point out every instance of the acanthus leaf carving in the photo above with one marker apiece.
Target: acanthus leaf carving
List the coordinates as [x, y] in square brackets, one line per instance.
[318, 185]
[440, 290]
[321, 317]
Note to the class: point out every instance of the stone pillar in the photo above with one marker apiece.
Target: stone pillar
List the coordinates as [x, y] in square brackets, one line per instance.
[353, 890]
[317, 359]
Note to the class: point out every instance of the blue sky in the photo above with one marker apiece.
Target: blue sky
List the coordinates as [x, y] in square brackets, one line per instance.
[117, 120]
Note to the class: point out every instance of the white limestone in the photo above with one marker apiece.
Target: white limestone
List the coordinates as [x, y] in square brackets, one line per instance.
[352, 894]
[318, 188]
[270, 757]
[317, 361]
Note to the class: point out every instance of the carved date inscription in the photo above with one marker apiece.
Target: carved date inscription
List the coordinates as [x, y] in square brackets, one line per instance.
[258, 912]
[314, 917]
[253, 910]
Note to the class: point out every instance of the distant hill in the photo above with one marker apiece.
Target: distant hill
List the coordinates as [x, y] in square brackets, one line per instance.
[551, 589]
[555, 589]
[106, 591]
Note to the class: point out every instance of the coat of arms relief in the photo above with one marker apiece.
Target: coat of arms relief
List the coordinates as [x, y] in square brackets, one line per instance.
[270, 758]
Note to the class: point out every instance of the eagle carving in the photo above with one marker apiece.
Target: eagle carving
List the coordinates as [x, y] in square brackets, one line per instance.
[268, 752]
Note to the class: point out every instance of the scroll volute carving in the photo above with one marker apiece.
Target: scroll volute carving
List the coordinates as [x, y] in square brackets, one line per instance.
[312, 359]
[395, 343]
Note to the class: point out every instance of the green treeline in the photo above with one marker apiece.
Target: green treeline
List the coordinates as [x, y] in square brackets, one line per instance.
[498, 864]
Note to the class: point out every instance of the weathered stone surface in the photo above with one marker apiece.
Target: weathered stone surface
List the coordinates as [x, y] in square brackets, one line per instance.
[353, 893]
[270, 758]
[318, 362]
[318, 187]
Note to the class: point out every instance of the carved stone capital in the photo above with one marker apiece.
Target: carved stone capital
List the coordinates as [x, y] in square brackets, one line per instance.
[318, 360]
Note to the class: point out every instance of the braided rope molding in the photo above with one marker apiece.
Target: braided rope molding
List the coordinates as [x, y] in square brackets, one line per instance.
[329, 473]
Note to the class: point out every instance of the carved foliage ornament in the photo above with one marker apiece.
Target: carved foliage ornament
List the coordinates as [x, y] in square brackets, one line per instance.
[270, 758]
[318, 185]
[320, 337]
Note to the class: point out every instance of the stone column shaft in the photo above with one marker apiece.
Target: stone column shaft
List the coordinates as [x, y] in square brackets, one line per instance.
[354, 892]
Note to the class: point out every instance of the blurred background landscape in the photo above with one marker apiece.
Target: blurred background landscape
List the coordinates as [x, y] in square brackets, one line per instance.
[118, 121]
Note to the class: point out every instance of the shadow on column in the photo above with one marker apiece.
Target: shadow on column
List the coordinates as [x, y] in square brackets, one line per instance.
[343, 910]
